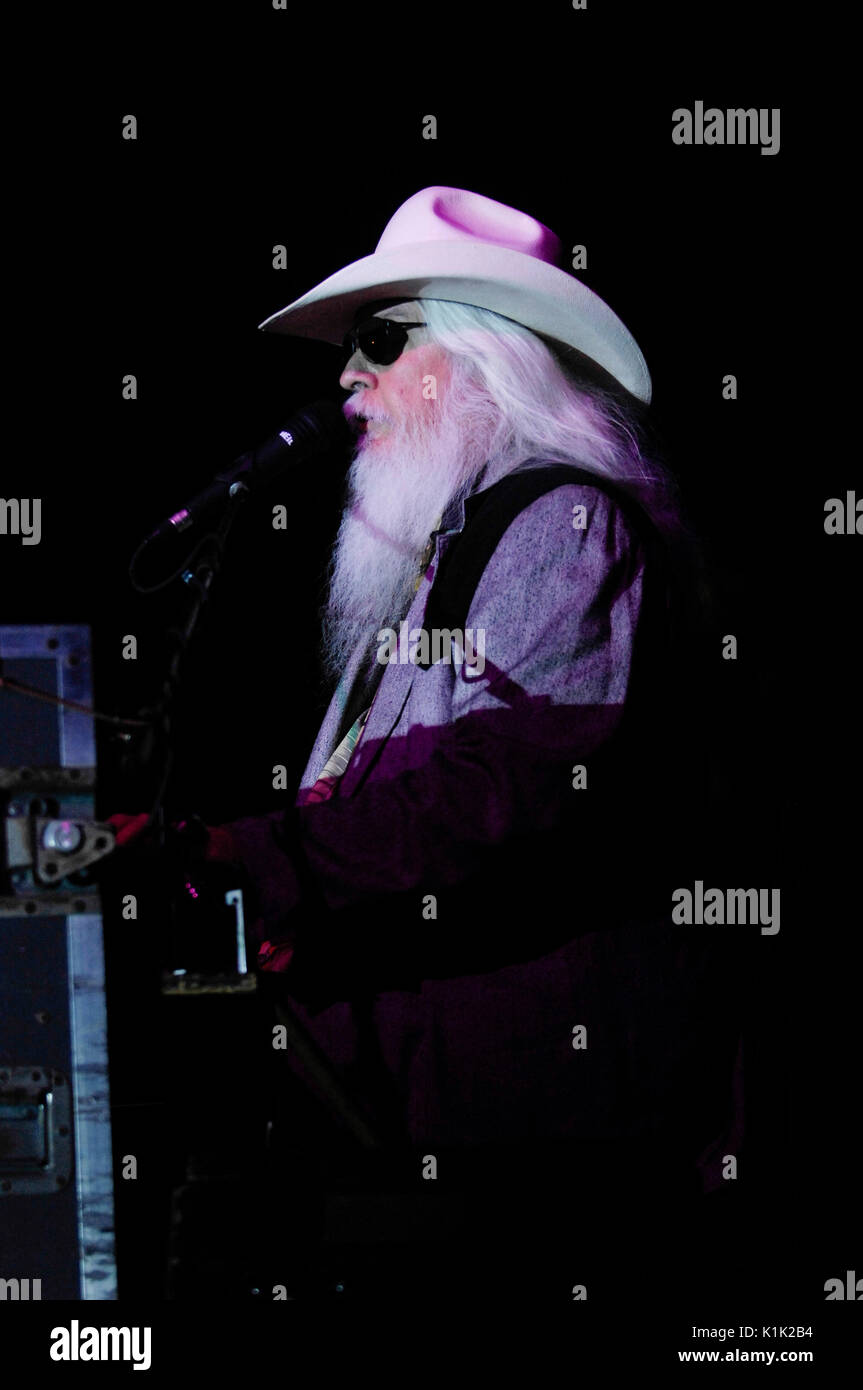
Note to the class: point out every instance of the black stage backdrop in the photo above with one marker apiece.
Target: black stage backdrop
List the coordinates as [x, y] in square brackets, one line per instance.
[154, 257]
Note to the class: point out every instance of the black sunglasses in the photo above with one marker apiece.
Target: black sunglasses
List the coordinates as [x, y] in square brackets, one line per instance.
[381, 341]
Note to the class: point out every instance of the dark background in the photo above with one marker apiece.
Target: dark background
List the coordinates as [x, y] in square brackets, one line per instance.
[154, 257]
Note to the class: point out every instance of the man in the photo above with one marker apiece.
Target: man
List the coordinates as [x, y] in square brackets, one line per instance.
[463, 906]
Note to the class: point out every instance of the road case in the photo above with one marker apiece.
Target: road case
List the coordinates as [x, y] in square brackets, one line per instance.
[56, 1173]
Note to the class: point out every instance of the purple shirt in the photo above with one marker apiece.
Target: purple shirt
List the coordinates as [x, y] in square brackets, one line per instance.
[456, 774]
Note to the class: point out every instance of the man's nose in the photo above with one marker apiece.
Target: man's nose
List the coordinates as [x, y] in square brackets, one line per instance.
[355, 374]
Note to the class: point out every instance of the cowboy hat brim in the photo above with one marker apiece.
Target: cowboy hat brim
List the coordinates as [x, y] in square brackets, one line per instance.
[520, 287]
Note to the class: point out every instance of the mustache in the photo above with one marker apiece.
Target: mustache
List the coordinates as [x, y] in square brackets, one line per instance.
[354, 412]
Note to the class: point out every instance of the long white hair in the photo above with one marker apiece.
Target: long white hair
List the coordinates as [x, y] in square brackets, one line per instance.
[549, 405]
[512, 400]
[545, 402]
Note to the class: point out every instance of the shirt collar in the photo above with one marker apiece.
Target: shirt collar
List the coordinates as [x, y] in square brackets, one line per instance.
[458, 510]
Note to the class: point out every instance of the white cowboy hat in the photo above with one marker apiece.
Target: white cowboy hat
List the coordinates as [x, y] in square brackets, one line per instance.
[447, 243]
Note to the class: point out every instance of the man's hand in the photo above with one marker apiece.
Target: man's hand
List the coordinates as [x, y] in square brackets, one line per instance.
[215, 843]
[129, 828]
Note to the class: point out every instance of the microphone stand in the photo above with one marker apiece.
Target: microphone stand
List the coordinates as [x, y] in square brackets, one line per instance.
[199, 581]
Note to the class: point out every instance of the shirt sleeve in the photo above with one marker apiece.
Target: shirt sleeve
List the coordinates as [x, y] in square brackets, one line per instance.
[558, 604]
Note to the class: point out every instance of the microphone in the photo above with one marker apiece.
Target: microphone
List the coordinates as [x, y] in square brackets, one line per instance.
[310, 431]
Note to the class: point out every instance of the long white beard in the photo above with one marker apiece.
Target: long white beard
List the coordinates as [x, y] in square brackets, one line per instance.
[400, 482]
